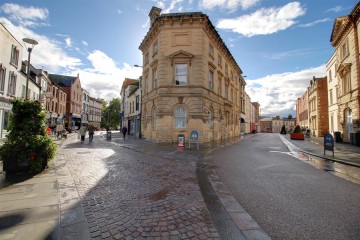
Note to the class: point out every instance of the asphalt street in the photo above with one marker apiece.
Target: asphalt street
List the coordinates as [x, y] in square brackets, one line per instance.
[287, 197]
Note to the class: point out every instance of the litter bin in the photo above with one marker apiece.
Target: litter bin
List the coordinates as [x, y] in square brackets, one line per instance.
[357, 139]
[108, 135]
[338, 138]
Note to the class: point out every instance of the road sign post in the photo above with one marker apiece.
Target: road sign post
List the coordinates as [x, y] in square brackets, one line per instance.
[328, 143]
[194, 137]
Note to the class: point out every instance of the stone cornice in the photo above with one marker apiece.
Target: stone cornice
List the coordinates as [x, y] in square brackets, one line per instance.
[343, 24]
[190, 18]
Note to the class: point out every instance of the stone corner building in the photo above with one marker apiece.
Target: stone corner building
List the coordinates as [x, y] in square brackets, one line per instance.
[345, 38]
[190, 80]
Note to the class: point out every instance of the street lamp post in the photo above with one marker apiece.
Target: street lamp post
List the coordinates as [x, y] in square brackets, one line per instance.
[32, 42]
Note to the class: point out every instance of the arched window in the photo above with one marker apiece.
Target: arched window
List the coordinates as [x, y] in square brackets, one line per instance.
[180, 117]
[210, 119]
[154, 118]
[219, 118]
[145, 119]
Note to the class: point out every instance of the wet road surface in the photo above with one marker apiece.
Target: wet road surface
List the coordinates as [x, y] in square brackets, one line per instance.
[288, 198]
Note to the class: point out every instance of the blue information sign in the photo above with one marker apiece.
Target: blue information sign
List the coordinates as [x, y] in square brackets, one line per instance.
[194, 137]
[329, 143]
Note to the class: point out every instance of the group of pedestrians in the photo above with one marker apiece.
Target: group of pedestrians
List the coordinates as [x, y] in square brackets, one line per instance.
[91, 129]
[86, 128]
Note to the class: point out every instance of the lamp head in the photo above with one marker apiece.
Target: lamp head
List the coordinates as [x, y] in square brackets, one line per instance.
[30, 41]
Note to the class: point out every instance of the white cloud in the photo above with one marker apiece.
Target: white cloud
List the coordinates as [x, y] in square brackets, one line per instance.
[104, 79]
[172, 5]
[68, 41]
[228, 4]
[47, 53]
[315, 22]
[335, 9]
[277, 93]
[119, 11]
[25, 16]
[264, 21]
[84, 43]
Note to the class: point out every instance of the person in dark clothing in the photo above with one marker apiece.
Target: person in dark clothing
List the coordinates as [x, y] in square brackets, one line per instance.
[124, 131]
[91, 130]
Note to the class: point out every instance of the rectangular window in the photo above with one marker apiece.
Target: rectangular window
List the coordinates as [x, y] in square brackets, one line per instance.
[146, 85]
[226, 91]
[155, 48]
[154, 119]
[14, 55]
[331, 97]
[154, 76]
[211, 80]
[137, 103]
[330, 76]
[346, 83]
[219, 61]
[344, 51]
[211, 50]
[180, 74]
[219, 87]
[12, 84]
[23, 91]
[2, 78]
[146, 58]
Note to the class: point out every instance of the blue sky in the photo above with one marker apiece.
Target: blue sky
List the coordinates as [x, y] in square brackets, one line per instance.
[279, 45]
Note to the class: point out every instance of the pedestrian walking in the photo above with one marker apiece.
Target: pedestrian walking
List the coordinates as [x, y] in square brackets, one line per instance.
[59, 129]
[124, 131]
[82, 132]
[91, 130]
[308, 133]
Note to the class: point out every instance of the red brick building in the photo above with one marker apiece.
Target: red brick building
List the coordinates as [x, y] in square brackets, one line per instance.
[318, 107]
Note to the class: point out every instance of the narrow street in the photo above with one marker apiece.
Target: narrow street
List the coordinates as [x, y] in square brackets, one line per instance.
[287, 197]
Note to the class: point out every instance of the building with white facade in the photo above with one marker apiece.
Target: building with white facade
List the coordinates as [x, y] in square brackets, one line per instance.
[332, 81]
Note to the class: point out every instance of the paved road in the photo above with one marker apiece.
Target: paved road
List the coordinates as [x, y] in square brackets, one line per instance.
[131, 195]
[287, 197]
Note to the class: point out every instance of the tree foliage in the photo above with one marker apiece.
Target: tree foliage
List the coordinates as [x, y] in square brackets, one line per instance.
[27, 138]
[111, 114]
[283, 130]
[297, 129]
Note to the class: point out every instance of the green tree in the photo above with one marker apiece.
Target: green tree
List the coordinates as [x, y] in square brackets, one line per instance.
[283, 130]
[297, 129]
[27, 142]
[111, 114]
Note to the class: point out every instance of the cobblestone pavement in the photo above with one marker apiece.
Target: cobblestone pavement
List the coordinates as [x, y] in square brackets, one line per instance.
[132, 195]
